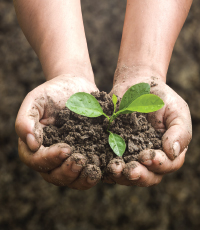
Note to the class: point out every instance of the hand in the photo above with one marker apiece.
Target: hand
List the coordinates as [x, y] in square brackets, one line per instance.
[173, 119]
[56, 163]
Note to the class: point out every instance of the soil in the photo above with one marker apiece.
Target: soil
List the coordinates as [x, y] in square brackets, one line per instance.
[28, 202]
[89, 136]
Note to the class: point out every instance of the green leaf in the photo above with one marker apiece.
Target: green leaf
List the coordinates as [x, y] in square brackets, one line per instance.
[146, 104]
[132, 93]
[114, 100]
[84, 104]
[117, 144]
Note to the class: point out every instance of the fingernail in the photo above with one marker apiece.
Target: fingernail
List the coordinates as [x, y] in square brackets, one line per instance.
[31, 142]
[116, 169]
[176, 149]
[65, 152]
[147, 162]
[134, 175]
[76, 168]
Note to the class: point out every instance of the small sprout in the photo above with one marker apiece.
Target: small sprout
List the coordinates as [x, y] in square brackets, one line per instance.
[136, 99]
[114, 100]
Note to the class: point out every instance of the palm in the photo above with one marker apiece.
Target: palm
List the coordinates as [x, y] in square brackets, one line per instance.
[56, 92]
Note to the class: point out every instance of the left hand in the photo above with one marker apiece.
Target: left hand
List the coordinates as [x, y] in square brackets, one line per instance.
[173, 119]
[56, 164]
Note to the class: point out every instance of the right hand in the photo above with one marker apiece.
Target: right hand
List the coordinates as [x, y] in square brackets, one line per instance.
[174, 119]
[56, 163]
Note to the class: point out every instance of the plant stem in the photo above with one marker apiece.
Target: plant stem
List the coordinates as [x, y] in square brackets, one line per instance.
[112, 118]
[107, 116]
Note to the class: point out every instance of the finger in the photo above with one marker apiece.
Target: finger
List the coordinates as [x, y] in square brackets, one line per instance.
[132, 173]
[115, 167]
[88, 178]
[139, 175]
[177, 122]
[175, 118]
[27, 124]
[114, 171]
[46, 158]
[179, 130]
[156, 161]
[68, 172]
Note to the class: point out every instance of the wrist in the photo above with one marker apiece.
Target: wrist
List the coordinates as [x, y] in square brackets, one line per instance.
[136, 73]
[73, 83]
[126, 76]
[69, 67]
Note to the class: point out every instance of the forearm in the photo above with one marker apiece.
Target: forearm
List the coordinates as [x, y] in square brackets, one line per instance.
[55, 30]
[150, 31]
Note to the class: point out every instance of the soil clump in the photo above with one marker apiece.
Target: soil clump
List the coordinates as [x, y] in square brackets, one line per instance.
[89, 136]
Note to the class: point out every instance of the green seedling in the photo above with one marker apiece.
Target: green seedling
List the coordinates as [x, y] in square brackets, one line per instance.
[136, 99]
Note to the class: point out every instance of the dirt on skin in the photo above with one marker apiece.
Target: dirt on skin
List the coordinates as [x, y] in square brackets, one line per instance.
[89, 136]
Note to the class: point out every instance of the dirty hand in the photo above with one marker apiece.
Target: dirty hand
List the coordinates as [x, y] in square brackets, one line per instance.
[56, 164]
[173, 119]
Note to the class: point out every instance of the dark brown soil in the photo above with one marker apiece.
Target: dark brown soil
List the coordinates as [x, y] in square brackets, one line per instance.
[89, 136]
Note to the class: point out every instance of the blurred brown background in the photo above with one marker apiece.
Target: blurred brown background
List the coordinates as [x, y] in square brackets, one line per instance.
[28, 202]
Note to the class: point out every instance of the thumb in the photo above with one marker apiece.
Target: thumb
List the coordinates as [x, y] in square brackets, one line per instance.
[27, 124]
[179, 131]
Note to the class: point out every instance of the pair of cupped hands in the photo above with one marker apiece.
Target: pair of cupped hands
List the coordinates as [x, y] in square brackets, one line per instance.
[57, 165]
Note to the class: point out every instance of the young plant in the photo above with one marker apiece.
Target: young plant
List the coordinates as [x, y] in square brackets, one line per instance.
[136, 99]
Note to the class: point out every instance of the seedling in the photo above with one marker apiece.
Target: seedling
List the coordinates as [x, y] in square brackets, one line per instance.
[136, 99]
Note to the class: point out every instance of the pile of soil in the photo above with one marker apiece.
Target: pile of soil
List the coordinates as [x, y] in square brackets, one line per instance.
[89, 136]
